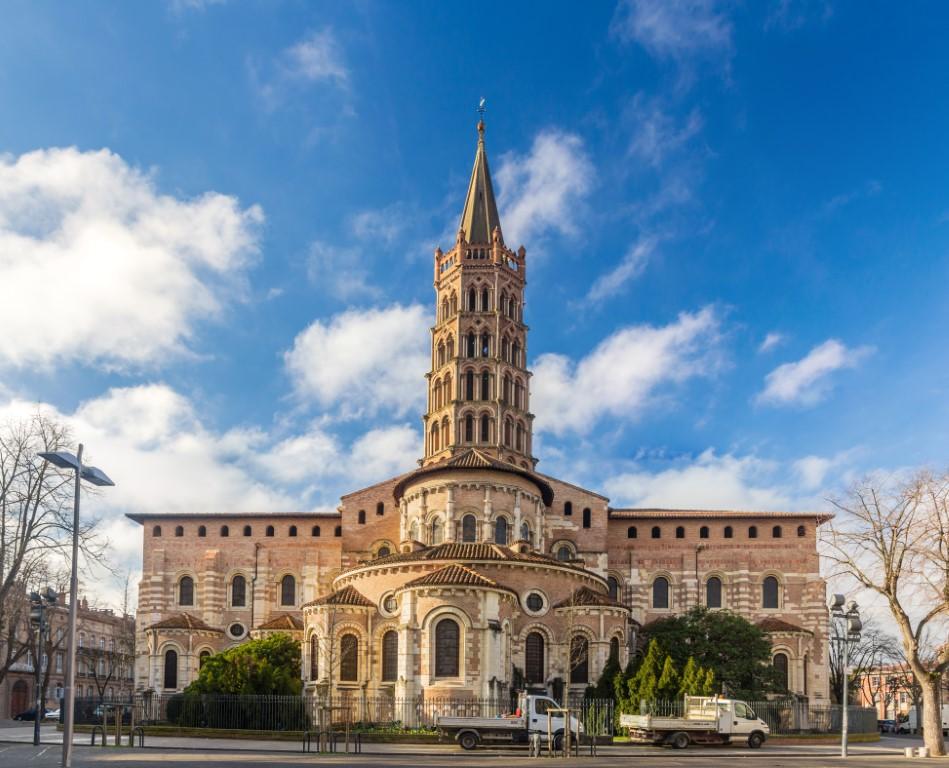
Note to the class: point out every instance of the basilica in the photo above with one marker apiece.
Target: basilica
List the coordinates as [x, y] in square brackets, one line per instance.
[474, 573]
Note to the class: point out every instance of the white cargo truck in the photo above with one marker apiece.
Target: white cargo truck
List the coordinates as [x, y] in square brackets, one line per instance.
[912, 724]
[706, 720]
[529, 718]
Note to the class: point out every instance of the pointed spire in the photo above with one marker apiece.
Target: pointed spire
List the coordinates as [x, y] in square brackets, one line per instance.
[480, 214]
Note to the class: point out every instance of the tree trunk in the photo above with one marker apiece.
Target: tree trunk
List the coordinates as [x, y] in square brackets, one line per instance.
[931, 720]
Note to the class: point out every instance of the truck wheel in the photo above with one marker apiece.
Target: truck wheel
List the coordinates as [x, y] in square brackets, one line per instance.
[468, 741]
[755, 740]
[558, 741]
[679, 740]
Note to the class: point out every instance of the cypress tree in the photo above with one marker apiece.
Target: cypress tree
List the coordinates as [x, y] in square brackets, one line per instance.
[668, 686]
[708, 684]
[642, 687]
[688, 684]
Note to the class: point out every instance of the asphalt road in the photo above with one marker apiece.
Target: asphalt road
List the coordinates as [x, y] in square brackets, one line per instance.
[887, 754]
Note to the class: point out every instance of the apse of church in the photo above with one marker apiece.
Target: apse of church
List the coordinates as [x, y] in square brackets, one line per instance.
[472, 573]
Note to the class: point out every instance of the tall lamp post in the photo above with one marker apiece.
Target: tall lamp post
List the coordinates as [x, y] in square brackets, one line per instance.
[66, 460]
[848, 627]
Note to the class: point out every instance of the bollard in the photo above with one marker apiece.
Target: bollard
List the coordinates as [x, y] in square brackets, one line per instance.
[923, 752]
[908, 752]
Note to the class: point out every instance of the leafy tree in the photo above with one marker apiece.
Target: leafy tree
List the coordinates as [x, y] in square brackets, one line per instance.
[687, 684]
[270, 665]
[644, 684]
[736, 651]
[668, 686]
[604, 685]
[708, 684]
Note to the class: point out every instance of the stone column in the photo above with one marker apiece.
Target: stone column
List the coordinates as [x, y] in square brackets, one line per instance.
[403, 521]
[517, 516]
[487, 533]
[450, 514]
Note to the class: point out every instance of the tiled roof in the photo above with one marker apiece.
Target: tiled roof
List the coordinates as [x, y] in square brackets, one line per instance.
[283, 621]
[585, 597]
[453, 575]
[774, 624]
[654, 513]
[159, 516]
[480, 214]
[348, 595]
[469, 551]
[183, 621]
[475, 459]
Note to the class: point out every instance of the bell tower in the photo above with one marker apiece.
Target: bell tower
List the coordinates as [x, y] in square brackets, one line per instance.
[479, 386]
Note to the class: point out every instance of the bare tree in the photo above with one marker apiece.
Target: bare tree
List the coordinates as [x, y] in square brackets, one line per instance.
[874, 647]
[892, 538]
[35, 522]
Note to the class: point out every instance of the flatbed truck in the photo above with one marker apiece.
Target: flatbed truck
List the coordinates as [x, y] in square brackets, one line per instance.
[706, 720]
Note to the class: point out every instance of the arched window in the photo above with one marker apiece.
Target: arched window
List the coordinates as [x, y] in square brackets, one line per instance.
[156, 531]
[349, 658]
[752, 531]
[485, 344]
[438, 531]
[171, 669]
[519, 442]
[505, 350]
[444, 309]
[447, 636]
[247, 530]
[680, 532]
[614, 649]
[441, 354]
[338, 531]
[314, 657]
[485, 386]
[516, 354]
[270, 531]
[776, 532]
[469, 528]
[225, 531]
[288, 590]
[380, 508]
[656, 532]
[238, 591]
[413, 531]
[315, 531]
[525, 532]
[801, 531]
[450, 348]
[579, 659]
[471, 300]
[769, 592]
[186, 591]
[485, 305]
[613, 587]
[435, 445]
[179, 530]
[518, 393]
[506, 389]
[703, 532]
[292, 531]
[469, 385]
[713, 592]
[660, 592]
[485, 428]
[587, 517]
[470, 345]
[469, 428]
[508, 430]
[390, 656]
[564, 553]
[729, 533]
[383, 551]
[500, 530]
[534, 658]
[203, 657]
[567, 508]
[780, 662]
[202, 531]
[631, 532]
[361, 517]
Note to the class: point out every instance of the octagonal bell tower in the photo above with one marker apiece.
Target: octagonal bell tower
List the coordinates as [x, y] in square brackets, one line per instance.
[479, 385]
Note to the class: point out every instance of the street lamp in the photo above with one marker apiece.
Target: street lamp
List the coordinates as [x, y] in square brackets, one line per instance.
[38, 607]
[848, 627]
[65, 460]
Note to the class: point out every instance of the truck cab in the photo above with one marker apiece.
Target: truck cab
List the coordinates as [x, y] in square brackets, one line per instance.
[737, 718]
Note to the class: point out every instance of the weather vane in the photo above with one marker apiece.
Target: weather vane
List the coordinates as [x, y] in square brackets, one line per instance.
[481, 107]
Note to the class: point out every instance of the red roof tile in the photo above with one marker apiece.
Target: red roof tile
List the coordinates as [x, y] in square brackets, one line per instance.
[184, 621]
[657, 513]
[453, 575]
[348, 595]
[585, 597]
[774, 624]
[286, 621]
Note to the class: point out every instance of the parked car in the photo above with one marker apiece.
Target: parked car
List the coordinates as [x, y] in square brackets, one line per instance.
[29, 714]
[886, 726]
[52, 714]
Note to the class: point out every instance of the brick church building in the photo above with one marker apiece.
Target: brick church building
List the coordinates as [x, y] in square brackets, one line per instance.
[474, 573]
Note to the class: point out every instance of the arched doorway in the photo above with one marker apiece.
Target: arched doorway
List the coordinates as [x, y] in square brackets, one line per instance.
[19, 698]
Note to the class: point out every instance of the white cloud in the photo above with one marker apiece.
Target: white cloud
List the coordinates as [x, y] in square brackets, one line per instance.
[770, 341]
[317, 57]
[384, 225]
[630, 267]
[624, 373]
[359, 362]
[384, 452]
[542, 191]
[97, 267]
[656, 133]
[711, 481]
[807, 381]
[674, 29]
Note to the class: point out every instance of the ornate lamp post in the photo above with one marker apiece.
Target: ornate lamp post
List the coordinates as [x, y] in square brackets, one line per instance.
[848, 627]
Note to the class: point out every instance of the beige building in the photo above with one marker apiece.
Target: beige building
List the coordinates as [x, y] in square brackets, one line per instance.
[104, 658]
[473, 573]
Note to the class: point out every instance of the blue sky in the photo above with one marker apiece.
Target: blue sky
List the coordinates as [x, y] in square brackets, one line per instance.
[217, 222]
